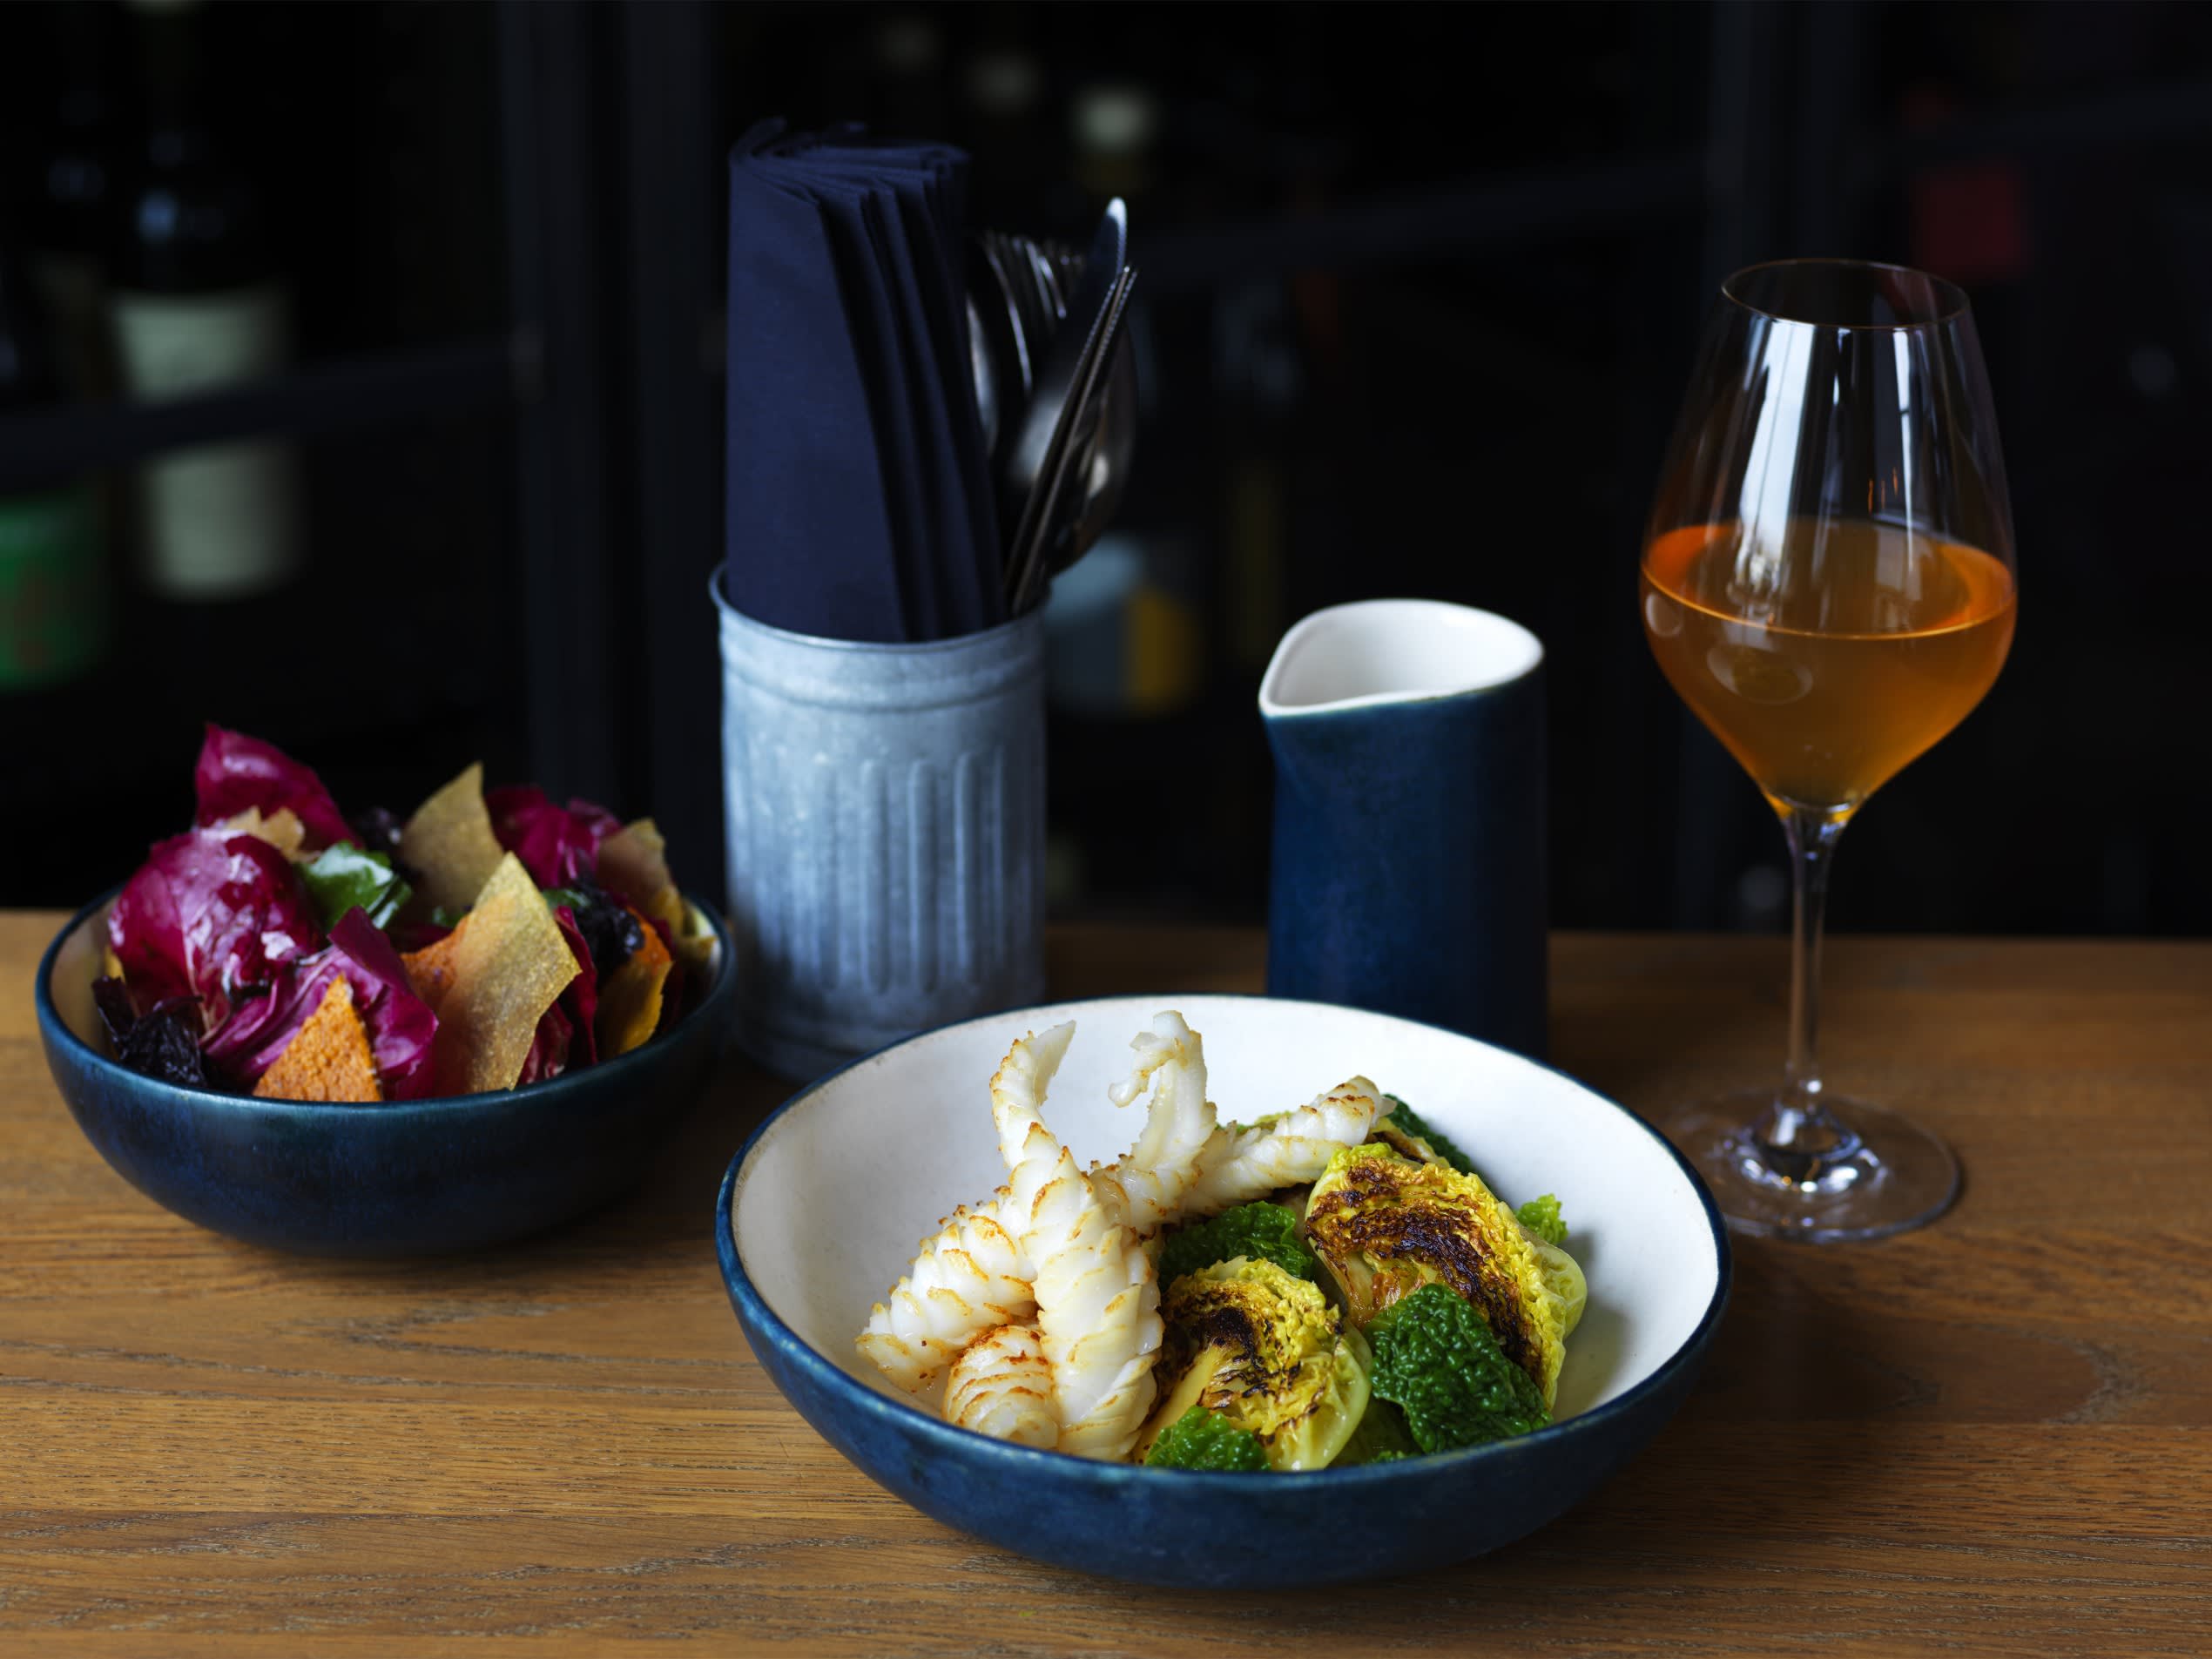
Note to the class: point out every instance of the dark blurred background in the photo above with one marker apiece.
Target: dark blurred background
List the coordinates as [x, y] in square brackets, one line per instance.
[367, 386]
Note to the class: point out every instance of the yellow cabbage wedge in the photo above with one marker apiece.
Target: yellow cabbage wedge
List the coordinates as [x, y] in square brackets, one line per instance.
[1266, 1349]
[1385, 1225]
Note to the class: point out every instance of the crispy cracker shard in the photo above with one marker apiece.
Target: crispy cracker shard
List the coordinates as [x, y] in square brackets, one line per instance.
[328, 1058]
[1264, 1352]
[449, 842]
[1001, 1385]
[508, 966]
[1384, 1227]
[1239, 1165]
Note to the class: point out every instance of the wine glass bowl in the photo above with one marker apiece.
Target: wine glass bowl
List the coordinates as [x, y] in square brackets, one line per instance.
[1827, 581]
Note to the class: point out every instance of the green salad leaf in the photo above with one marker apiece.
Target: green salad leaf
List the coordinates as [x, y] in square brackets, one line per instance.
[343, 875]
[1414, 1124]
[1204, 1440]
[1261, 1233]
[1542, 1218]
[1380, 1438]
[1435, 1360]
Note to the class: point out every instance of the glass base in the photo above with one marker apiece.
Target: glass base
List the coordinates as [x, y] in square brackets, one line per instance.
[1887, 1174]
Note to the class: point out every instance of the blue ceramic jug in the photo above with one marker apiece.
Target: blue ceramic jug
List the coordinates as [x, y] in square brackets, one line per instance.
[1409, 817]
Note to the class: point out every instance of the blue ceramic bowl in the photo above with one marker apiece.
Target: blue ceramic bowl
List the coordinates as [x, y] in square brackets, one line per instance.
[411, 1178]
[817, 1215]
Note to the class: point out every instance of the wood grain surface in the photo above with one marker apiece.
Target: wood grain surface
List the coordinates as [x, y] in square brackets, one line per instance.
[1992, 1436]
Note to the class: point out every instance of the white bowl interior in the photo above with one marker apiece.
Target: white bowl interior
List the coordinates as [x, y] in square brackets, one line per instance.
[837, 1192]
[77, 964]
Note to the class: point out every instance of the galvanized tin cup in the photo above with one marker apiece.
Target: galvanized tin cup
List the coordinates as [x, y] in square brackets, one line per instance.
[885, 825]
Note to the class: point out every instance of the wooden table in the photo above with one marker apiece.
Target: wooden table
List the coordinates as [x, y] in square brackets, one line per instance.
[1993, 1435]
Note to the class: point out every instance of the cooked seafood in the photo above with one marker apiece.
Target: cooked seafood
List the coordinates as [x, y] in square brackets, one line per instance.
[1001, 1385]
[1145, 1187]
[1098, 1301]
[969, 1277]
[1344, 1287]
[1237, 1165]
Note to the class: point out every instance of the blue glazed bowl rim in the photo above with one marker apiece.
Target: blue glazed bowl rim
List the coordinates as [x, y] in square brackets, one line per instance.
[57, 1031]
[1021, 1462]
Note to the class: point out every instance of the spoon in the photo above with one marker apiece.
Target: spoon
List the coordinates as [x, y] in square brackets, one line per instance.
[1046, 423]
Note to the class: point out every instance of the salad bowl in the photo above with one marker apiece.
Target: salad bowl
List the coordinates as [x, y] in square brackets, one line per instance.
[405, 1179]
[820, 1210]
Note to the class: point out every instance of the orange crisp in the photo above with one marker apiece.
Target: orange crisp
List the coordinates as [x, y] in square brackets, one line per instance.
[430, 970]
[328, 1058]
[629, 997]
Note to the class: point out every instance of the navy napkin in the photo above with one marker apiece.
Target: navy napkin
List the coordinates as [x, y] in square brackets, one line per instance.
[858, 501]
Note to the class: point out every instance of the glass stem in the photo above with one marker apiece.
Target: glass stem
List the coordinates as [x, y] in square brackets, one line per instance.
[1797, 1135]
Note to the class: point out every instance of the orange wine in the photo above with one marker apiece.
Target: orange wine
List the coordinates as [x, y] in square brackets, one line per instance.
[1830, 659]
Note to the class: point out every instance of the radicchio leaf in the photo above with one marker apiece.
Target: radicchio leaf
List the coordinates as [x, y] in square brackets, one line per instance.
[556, 844]
[580, 1000]
[608, 926]
[548, 1054]
[400, 1025]
[236, 772]
[212, 916]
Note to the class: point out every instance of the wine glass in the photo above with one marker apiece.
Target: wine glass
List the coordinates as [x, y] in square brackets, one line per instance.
[1827, 581]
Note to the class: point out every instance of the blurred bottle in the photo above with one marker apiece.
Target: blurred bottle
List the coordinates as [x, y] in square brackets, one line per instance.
[1003, 124]
[72, 201]
[909, 96]
[1116, 127]
[53, 599]
[199, 302]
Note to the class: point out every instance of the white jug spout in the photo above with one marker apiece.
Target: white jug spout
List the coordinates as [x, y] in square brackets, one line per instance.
[1392, 650]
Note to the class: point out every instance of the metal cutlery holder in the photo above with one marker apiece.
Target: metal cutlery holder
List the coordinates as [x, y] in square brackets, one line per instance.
[886, 820]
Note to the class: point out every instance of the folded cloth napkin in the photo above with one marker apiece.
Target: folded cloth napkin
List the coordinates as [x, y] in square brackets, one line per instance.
[858, 501]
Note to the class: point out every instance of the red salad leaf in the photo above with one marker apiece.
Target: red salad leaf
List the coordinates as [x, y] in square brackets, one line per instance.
[259, 1028]
[580, 1000]
[555, 843]
[236, 772]
[410, 936]
[548, 1054]
[400, 1025]
[212, 916]
[564, 1040]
